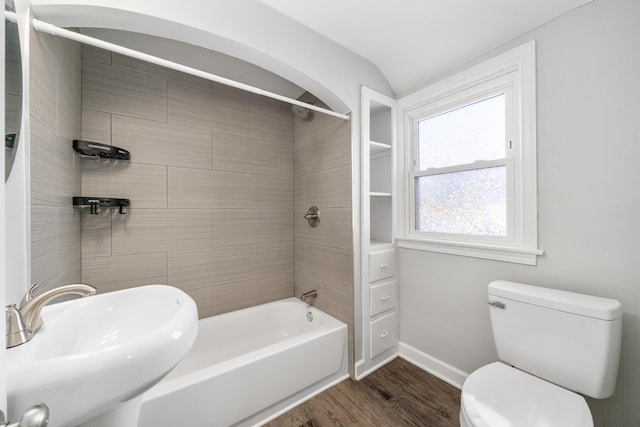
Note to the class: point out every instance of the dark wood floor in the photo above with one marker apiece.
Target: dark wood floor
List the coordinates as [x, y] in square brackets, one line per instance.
[398, 394]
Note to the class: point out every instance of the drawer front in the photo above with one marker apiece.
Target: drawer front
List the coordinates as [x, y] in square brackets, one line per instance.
[382, 265]
[382, 298]
[383, 334]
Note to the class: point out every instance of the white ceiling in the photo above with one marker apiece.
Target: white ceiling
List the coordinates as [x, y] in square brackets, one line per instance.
[412, 41]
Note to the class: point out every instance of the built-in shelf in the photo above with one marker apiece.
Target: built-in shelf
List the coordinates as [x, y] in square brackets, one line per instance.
[380, 328]
[96, 149]
[102, 202]
[379, 244]
[378, 147]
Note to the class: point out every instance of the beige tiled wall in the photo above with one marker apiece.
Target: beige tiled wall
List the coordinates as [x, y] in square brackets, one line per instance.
[55, 168]
[210, 182]
[215, 206]
[324, 255]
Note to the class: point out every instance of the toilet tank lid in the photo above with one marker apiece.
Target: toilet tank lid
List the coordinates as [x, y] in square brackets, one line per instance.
[570, 302]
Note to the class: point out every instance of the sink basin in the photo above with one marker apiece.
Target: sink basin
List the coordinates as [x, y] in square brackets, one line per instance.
[93, 353]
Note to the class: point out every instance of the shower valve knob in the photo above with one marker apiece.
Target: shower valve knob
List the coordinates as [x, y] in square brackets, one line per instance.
[313, 216]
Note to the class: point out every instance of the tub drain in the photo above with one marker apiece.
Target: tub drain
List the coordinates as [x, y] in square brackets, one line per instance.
[309, 316]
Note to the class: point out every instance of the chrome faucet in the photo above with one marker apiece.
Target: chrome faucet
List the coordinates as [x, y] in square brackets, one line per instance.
[24, 322]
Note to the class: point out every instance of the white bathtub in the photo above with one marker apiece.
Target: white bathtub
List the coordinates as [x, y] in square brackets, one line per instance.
[248, 366]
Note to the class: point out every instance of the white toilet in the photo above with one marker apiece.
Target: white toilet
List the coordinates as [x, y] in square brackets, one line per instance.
[552, 344]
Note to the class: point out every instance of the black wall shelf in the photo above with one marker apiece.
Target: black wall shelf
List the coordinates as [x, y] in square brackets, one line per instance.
[10, 140]
[96, 149]
[102, 202]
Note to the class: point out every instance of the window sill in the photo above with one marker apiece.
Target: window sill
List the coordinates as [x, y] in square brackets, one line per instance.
[526, 256]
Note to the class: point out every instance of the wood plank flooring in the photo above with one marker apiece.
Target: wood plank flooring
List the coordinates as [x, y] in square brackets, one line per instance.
[398, 394]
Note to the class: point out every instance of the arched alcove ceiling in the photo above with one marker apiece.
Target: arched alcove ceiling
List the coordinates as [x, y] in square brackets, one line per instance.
[199, 58]
[246, 30]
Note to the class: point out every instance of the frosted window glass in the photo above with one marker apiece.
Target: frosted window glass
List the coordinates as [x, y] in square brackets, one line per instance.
[461, 136]
[472, 202]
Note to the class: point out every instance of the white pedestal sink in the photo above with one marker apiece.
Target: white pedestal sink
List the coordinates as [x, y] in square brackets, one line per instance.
[95, 356]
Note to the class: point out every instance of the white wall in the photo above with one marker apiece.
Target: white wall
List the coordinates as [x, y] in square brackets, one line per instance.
[588, 201]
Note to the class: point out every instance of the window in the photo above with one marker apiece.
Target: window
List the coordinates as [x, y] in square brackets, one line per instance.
[460, 179]
[469, 144]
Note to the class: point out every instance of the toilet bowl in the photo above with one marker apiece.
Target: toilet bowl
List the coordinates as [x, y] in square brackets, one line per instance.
[498, 395]
[552, 345]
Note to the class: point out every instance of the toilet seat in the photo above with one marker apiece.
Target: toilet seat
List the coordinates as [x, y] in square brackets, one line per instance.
[498, 395]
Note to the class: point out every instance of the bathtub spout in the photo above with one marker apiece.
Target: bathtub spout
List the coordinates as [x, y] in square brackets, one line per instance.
[309, 295]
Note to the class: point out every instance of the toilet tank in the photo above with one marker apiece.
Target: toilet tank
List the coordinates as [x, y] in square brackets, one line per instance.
[569, 339]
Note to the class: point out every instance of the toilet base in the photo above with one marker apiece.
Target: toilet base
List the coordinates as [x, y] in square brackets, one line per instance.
[464, 420]
[500, 395]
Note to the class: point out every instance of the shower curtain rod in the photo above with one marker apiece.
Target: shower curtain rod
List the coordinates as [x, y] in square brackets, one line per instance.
[61, 32]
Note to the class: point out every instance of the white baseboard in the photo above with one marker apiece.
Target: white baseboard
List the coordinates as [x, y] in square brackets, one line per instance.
[360, 375]
[440, 369]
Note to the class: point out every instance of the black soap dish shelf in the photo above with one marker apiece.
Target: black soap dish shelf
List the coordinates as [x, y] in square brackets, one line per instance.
[102, 202]
[96, 149]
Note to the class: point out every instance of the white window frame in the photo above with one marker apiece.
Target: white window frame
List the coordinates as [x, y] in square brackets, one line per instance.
[512, 73]
[501, 85]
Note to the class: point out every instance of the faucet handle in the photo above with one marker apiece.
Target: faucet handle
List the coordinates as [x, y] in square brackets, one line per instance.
[17, 332]
[36, 416]
[29, 295]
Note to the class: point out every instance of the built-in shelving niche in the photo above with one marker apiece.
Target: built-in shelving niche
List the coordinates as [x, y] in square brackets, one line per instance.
[380, 174]
[380, 286]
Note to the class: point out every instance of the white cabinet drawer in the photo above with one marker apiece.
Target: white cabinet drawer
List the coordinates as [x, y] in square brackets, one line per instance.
[383, 334]
[382, 298]
[382, 265]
